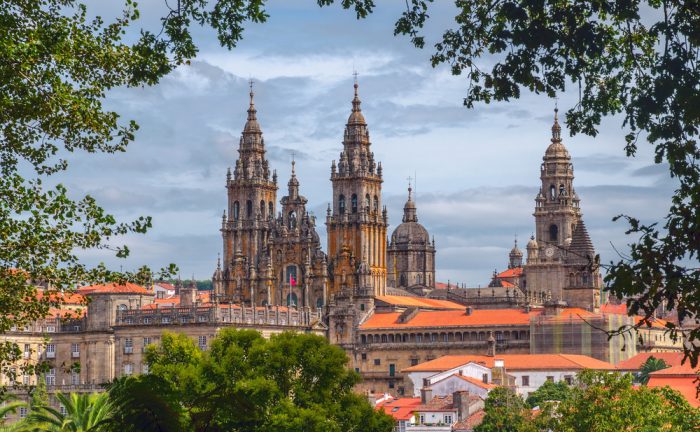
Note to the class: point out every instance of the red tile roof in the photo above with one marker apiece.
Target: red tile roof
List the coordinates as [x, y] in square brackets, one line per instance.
[471, 422]
[68, 298]
[511, 273]
[515, 362]
[419, 302]
[476, 382]
[636, 362]
[436, 404]
[449, 318]
[113, 288]
[66, 313]
[399, 409]
[684, 379]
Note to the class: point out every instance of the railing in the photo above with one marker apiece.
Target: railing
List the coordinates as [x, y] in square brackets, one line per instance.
[263, 315]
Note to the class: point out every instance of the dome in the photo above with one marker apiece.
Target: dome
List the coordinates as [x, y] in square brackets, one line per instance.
[556, 149]
[516, 251]
[251, 124]
[356, 117]
[532, 244]
[410, 231]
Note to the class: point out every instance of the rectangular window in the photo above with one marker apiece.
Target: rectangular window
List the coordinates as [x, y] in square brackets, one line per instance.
[50, 351]
[75, 378]
[391, 384]
[26, 379]
[144, 368]
[377, 362]
[146, 342]
[75, 350]
[526, 380]
[448, 419]
[202, 342]
[147, 320]
[485, 378]
[401, 391]
[165, 320]
[569, 379]
[550, 378]
[392, 369]
[50, 329]
[27, 351]
[202, 318]
[62, 410]
[414, 361]
[51, 377]
[160, 294]
[364, 356]
[128, 369]
[23, 412]
[128, 346]
[419, 338]
[421, 419]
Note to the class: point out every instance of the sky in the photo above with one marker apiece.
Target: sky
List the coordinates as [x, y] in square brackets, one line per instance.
[476, 170]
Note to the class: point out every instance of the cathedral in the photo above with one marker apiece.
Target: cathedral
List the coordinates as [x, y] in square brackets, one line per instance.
[272, 253]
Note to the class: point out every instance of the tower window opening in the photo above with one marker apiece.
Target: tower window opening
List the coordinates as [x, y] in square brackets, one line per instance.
[249, 208]
[270, 209]
[552, 192]
[236, 210]
[262, 209]
[341, 204]
[553, 233]
[292, 220]
[367, 202]
[561, 190]
[376, 204]
[354, 203]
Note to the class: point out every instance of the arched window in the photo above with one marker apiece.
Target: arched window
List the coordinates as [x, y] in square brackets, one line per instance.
[292, 276]
[376, 203]
[418, 279]
[402, 281]
[561, 189]
[249, 208]
[367, 198]
[341, 204]
[236, 210]
[292, 220]
[319, 305]
[553, 232]
[122, 307]
[354, 203]
[271, 209]
[584, 279]
[262, 209]
[552, 192]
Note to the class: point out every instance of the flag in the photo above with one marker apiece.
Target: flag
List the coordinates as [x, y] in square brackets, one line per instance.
[292, 281]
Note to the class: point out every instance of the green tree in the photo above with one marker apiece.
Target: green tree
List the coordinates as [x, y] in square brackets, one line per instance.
[634, 59]
[291, 382]
[40, 395]
[604, 401]
[9, 405]
[550, 391]
[84, 413]
[651, 365]
[505, 412]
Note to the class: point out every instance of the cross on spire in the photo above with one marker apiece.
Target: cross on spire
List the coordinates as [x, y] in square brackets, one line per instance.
[354, 74]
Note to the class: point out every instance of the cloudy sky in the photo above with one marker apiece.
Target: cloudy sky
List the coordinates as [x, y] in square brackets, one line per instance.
[477, 170]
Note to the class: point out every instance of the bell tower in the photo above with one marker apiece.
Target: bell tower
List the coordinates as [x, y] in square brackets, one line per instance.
[252, 192]
[557, 206]
[357, 221]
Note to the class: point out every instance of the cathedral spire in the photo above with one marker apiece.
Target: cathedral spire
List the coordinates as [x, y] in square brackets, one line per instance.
[251, 124]
[356, 117]
[556, 129]
[293, 183]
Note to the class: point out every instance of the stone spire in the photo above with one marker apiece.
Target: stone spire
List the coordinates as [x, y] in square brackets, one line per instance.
[251, 124]
[556, 149]
[409, 209]
[515, 256]
[356, 117]
[581, 248]
[293, 183]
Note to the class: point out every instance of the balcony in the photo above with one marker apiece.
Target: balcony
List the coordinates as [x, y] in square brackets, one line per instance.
[50, 354]
[128, 350]
[75, 354]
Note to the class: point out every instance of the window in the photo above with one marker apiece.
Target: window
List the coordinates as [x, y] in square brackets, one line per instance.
[62, 410]
[391, 384]
[128, 346]
[262, 209]
[401, 391]
[202, 342]
[146, 342]
[364, 356]
[50, 351]
[362, 307]
[419, 338]
[75, 350]
[550, 378]
[392, 369]
[354, 203]
[27, 351]
[249, 208]
[23, 412]
[552, 192]
[144, 368]
[75, 378]
[165, 320]
[292, 220]
[526, 380]
[147, 320]
[50, 329]
[51, 377]
[376, 203]
[270, 209]
[25, 379]
[341, 204]
[553, 232]
[485, 378]
[569, 379]
[421, 419]
[367, 199]
[236, 210]
[202, 318]
[128, 369]
[377, 362]
[414, 361]
[448, 419]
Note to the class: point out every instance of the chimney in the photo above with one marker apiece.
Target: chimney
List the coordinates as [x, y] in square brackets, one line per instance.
[491, 345]
[469, 310]
[188, 296]
[426, 395]
[460, 400]
[498, 373]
